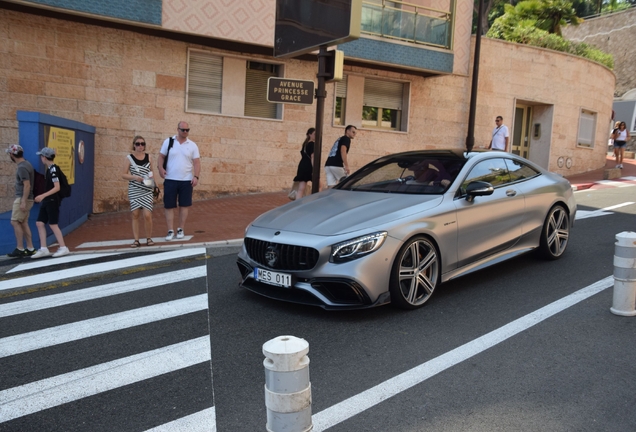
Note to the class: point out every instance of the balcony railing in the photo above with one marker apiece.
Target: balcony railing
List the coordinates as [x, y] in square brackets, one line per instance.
[407, 22]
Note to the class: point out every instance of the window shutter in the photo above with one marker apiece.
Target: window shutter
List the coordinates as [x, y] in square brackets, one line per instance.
[586, 128]
[256, 104]
[383, 94]
[205, 74]
[341, 87]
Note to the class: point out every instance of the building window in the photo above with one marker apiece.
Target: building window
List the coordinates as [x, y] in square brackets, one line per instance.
[230, 86]
[587, 128]
[205, 82]
[382, 104]
[256, 104]
[341, 102]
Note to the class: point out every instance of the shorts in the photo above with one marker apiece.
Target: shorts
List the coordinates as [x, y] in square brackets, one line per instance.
[334, 174]
[19, 215]
[620, 144]
[49, 211]
[177, 188]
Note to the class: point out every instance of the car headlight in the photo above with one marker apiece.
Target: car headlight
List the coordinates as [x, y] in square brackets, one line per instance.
[357, 247]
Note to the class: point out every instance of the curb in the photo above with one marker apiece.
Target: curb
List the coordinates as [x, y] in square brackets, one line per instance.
[583, 186]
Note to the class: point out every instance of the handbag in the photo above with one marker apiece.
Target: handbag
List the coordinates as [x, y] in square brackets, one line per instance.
[292, 193]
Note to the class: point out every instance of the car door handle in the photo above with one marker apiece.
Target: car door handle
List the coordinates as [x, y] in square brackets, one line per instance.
[511, 192]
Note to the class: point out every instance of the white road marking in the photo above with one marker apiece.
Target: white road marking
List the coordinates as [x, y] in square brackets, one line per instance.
[100, 291]
[97, 268]
[614, 183]
[393, 386]
[202, 421]
[50, 392]
[584, 214]
[62, 260]
[130, 241]
[47, 337]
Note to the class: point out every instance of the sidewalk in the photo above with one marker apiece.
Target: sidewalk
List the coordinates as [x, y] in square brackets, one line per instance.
[222, 221]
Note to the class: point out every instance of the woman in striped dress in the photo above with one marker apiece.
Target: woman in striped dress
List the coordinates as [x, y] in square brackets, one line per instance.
[138, 172]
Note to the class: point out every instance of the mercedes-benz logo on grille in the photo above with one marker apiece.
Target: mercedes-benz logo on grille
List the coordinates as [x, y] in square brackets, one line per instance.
[271, 255]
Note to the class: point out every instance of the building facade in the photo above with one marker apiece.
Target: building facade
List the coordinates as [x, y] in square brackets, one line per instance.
[139, 68]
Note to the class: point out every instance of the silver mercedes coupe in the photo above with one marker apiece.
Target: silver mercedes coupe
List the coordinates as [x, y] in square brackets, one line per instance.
[397, 228]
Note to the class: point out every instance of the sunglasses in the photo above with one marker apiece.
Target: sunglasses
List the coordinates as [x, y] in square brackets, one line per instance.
[139, 144]
[184, 130]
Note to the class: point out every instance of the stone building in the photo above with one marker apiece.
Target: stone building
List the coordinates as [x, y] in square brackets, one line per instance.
[138, 67]
[613, 34]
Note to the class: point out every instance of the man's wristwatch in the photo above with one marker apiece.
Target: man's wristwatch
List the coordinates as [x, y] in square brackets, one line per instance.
[197, 177]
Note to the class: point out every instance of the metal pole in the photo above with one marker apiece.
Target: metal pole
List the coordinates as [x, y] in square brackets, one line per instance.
[321, 94]
[470, 137]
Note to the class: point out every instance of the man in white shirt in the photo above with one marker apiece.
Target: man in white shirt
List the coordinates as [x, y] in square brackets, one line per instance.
[181, 174]
[500, 136]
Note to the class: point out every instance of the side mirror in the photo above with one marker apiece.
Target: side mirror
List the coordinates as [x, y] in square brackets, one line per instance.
[478, 188]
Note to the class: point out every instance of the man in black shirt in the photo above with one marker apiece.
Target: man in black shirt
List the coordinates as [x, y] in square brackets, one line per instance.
[337, 166]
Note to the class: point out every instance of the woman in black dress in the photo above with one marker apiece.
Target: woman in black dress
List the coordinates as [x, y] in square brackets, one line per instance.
[306, 164]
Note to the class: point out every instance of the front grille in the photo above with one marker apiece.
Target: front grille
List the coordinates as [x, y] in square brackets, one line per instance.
[277, 256]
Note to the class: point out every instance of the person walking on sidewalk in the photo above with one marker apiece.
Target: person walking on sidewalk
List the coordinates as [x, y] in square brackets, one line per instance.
[50, 206]
[138, 172]
[179, 163]
[337, 166]
[306, 164]
[621, 135]
[500, 136]
[24, 179]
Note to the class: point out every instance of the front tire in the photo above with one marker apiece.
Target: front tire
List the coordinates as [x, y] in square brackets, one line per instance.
[555, 233]
[415, 273]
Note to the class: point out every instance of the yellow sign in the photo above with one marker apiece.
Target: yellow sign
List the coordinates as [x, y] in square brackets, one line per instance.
[63, 141]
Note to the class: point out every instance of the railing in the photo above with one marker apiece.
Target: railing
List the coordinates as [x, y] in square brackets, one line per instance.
[408, 22]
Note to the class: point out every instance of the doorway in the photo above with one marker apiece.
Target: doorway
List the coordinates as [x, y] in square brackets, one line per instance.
[521, 131]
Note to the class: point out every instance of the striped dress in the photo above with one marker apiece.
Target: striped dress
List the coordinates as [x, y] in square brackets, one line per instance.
[140, 195]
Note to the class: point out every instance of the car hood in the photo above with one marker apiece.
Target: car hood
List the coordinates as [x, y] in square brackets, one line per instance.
[335, 212]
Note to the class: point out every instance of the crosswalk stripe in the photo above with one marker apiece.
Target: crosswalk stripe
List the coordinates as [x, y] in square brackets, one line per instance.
[100, 291]
[92, 327]
[202, 421]
[126, 242]
[50, 392]
[98, 268]
[31, 264]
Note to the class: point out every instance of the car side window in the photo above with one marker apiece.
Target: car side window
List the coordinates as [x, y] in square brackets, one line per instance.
[519, 171]
[493, 171]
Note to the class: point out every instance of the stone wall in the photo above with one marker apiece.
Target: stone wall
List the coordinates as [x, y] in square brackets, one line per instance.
[613, 33]
[128, 84]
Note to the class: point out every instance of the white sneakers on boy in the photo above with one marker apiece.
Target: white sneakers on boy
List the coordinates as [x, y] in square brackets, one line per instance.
[61, 252]
[180, 234]
[41, 253]
[170, 235]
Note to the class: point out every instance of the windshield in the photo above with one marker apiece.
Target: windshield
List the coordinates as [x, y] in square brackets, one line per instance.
[406, 174]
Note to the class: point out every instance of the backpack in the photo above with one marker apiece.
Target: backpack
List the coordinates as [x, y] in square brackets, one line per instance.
[65, 188]
[39, 183]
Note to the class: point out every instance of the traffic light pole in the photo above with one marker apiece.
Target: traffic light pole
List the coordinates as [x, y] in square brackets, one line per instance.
[321, 94]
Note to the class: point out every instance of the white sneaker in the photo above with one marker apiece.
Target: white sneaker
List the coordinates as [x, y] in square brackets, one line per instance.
[170, 235]
[180, 234]
[41, 253]
[61, 252]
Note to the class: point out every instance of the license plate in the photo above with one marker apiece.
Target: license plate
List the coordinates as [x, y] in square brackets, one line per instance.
[272, 278]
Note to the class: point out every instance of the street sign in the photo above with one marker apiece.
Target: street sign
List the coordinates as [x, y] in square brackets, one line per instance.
[290, 91]
[302, 26]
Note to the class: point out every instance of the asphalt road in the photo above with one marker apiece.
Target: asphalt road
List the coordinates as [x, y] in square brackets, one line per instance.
[498, 364]
[574, 371]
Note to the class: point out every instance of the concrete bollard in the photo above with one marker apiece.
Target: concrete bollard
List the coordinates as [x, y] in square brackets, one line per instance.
[624, 302]
[287, 386]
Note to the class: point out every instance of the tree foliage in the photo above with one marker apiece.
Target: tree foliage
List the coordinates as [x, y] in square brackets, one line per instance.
[538, 23]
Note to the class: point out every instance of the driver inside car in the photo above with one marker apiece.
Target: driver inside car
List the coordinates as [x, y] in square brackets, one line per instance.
[429, 172]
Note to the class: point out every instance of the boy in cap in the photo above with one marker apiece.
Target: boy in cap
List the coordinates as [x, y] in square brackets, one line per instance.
[24, 178]
[50, 208]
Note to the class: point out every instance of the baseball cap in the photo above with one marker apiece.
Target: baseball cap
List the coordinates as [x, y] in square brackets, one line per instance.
[14, 149]
[47, 152]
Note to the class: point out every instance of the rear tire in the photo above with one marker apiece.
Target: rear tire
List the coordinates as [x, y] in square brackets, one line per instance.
[555, 233]
[415, 273]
